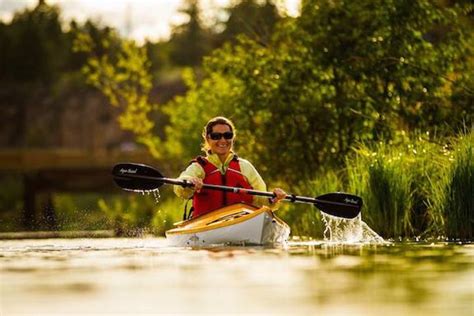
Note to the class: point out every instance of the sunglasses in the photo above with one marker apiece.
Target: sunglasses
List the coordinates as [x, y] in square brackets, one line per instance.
[217, 136]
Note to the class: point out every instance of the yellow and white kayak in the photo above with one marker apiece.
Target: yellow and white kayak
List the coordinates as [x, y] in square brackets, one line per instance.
[238, 224]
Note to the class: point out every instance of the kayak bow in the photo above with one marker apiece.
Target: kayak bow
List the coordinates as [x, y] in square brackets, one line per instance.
[238, 224]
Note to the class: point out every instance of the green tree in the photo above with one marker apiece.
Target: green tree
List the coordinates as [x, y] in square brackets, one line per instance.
[35, 47]
[121, 70]
[33, 53]
[190, 41]
[340, 73]
[255, 19]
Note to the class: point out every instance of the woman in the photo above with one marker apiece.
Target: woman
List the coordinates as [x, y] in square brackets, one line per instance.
[221, 166]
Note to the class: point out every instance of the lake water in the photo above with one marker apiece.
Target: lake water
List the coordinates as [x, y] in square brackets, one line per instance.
[145, 276]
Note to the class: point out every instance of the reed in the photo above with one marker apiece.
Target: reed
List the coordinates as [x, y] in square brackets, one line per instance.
[380, 176]
[416, 187]
[457, 202]
[426, 162]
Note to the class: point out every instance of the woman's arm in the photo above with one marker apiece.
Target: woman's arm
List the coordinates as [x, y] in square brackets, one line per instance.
[193, 171]
[257, 183]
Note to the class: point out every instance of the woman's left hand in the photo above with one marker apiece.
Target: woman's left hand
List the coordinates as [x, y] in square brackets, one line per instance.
[279, 195]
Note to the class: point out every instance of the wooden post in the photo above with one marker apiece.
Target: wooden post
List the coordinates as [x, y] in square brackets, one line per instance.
[29, 202]
[49, 212]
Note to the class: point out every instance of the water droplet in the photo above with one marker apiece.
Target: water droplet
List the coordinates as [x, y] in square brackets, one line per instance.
[156, 195]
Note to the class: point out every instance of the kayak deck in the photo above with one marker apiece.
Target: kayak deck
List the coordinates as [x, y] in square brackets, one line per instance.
[234, 224]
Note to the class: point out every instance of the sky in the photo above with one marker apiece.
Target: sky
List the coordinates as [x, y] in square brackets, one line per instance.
[138, 19]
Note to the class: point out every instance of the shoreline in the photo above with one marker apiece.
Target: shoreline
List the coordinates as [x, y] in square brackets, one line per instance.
[57, 234]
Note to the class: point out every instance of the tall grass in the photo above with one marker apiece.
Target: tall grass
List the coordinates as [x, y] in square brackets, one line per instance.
[458, 198]
[382, 177]
[415, 187]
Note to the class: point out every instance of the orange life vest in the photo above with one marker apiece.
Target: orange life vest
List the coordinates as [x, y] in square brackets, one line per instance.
[209, 200]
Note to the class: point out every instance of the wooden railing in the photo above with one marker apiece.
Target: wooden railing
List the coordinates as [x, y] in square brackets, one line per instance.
[47, 171]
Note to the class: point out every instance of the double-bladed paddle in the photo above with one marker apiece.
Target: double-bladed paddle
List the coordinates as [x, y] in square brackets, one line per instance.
[139, 177]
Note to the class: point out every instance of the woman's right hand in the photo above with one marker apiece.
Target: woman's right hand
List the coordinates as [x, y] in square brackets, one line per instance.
[197, 183]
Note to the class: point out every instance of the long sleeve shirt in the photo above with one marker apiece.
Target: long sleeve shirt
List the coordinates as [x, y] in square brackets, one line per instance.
[251, 174]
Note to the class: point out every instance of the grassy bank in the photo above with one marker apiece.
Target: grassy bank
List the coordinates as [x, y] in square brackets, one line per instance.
[415, 187]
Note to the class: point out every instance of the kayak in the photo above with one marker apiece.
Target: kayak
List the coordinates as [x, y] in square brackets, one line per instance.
[237, 224]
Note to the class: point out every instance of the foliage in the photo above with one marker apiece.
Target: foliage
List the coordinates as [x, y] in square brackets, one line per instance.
[33, 46]
[121, 73]
[321, 84]
[254, 19]
[196, 38]
[33, 54]
[190, 41]
[124, 72]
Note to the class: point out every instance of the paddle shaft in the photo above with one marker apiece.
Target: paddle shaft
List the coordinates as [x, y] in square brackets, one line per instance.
[139, 178]
[290, 197]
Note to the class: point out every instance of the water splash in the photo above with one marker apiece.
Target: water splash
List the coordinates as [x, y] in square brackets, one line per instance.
[345, 230]
[155, 192]
[156, 195]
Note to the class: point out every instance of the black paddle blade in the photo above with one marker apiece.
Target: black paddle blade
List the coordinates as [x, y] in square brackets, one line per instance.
[339, 204]
[136, 177]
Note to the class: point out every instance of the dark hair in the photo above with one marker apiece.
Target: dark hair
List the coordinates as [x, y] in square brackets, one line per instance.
[213, 122]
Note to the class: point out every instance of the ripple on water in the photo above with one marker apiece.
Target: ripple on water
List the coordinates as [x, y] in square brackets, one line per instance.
[59, 287]
[318, 277]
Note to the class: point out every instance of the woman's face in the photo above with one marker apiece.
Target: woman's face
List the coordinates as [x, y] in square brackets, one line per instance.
[220, 140]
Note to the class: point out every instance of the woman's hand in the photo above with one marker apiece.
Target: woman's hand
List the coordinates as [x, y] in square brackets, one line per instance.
[197, 183]
[279, 195]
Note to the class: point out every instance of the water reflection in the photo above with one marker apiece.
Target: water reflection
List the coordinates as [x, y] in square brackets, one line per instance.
[145, 276]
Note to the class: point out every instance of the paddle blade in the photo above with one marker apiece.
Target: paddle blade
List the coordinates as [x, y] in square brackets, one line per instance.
[339, 204]
[136, 177]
